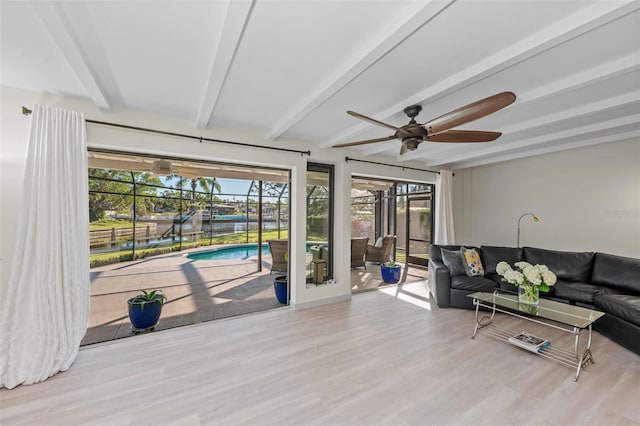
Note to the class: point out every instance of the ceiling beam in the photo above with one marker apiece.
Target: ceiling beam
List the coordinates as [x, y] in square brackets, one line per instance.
[554, 35]
[567, 84]
[235, 22]
[583, 142]
[584, 132]
[627, 100]
[62, 34]
[383, 43]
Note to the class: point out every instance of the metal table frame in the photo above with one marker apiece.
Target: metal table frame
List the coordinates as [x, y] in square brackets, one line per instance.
[573, 359]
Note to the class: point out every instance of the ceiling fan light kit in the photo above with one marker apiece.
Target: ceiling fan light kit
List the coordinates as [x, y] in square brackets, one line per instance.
[439, 129]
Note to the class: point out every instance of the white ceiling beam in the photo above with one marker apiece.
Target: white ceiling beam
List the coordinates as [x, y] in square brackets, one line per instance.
[520, 144]
[630, 100]
[382, 44]
[556, 34]
[548, 149]
[235, 21]
[570, 83]
[61, 31]
[627, 99]
[591, 76]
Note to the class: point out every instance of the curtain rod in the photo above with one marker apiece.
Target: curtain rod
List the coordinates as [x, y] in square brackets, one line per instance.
[27, 111]
[347, 159]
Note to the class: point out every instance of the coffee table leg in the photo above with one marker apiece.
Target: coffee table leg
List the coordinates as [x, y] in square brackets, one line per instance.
[586, 356]
[485, 320]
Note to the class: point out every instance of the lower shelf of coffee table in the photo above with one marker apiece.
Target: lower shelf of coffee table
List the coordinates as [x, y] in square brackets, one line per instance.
[552, 352]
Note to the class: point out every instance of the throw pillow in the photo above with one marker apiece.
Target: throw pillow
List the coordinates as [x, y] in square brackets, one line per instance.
[453, 261]
[472, 263]
[378, 243]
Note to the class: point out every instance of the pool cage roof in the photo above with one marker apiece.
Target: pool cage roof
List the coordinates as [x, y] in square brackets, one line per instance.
[167, 167]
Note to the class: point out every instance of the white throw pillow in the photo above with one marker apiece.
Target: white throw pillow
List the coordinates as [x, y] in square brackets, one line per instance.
[378, 242]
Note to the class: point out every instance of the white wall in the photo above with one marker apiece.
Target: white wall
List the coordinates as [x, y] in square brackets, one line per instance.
[587, 199]
[13, 148]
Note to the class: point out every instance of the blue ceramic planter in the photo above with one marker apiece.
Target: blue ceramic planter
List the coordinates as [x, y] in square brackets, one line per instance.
[144, 318]
[390, 274]
[280, 287]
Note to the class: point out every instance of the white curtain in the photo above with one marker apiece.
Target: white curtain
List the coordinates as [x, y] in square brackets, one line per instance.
[45, 305]
[444, 208]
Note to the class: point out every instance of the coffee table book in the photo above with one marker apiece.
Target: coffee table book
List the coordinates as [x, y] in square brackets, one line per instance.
[529, 342]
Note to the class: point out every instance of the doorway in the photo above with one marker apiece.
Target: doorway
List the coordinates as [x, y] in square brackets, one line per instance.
[402, 209]
[414, 212]
[196, 230]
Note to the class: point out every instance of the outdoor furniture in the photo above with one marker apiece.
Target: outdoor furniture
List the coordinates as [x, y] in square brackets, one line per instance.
[278, 250]
[358, 249]
[382, 253]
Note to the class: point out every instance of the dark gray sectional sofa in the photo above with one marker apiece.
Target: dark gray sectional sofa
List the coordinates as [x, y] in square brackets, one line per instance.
[608, 283]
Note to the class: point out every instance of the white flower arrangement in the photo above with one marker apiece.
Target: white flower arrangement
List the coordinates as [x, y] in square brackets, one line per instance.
[527, 274]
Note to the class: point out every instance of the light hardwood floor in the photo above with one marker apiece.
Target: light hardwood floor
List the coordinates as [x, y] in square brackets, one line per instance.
[387, 357]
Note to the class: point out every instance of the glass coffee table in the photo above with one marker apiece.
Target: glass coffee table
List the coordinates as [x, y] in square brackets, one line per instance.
[561, 316]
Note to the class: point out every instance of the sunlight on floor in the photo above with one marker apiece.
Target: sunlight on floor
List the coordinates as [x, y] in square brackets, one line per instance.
[416, 293]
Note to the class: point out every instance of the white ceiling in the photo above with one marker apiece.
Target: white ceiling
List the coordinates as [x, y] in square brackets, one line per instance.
[291, 69]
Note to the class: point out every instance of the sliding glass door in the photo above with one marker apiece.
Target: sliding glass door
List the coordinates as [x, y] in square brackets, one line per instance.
[319, 222]
[414, 222]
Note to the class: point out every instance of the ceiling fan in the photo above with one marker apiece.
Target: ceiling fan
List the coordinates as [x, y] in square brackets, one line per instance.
[167, 168]
[438, 129]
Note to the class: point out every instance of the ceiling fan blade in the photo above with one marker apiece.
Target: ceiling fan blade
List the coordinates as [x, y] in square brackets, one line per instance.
[379, 123]
[386, 138]
[463, 136]
[470, 112]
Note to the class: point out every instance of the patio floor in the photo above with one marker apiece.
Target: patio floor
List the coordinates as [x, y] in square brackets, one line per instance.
[197, 290]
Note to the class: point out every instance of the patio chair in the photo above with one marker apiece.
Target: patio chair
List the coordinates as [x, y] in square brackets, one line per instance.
[382, 253]
[278, 250]
[358, 249]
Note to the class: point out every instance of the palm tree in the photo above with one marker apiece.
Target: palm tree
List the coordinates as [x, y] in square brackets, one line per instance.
[208, 185]
[204, 183]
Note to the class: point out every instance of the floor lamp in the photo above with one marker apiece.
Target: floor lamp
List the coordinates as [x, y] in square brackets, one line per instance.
[535, 219]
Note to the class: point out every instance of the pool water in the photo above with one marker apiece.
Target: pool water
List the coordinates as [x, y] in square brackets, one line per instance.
[228, 253]
[235, 252]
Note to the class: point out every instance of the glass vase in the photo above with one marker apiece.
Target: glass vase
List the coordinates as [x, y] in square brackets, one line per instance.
[528, 294]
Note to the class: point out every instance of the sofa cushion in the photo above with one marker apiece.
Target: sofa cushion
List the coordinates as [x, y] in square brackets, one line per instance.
[579, 292]
[624, 306]
[464, 282]
[472, 262]
[567, 265]
[622, 273]
[434, 250]
[453, 261]
[491, 256]
[495, 278]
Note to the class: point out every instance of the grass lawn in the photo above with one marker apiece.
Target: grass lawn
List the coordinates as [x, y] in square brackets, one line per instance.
[109, 223]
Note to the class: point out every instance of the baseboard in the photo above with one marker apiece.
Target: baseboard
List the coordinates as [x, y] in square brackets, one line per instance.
[319, 302]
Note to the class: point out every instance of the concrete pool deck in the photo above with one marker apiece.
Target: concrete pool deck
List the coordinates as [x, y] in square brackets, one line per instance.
[197, 290]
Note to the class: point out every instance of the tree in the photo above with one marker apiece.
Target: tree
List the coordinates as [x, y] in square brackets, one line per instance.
[113, 190]
[208, 185]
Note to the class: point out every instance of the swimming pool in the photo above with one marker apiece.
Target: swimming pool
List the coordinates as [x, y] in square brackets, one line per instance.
[227, 253]
[243, 251]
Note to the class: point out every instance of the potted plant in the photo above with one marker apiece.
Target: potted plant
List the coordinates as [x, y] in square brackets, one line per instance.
[145, 310]
[390, 272]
